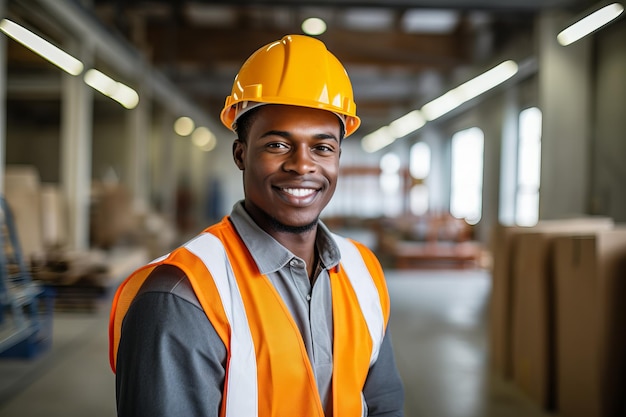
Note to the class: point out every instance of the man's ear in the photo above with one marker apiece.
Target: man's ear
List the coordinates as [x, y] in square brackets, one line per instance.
[238, 151]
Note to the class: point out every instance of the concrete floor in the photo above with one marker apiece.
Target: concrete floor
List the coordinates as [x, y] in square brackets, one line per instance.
[438, 323]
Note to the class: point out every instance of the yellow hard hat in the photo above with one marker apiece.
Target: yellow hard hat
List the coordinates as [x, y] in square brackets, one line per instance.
[297, 70]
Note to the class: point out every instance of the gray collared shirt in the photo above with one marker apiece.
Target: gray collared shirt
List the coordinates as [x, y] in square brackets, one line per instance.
[310, 303]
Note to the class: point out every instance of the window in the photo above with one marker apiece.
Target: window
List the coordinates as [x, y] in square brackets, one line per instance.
[467, 175]
[419, 198]
[419, 168]
[528, 167]
[419, 165]
[391, 184]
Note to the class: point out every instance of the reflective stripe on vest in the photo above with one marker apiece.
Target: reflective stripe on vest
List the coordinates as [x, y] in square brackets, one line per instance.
[365, 290]
[242, 398]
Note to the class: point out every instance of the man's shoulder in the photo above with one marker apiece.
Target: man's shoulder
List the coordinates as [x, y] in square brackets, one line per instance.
[167, 278]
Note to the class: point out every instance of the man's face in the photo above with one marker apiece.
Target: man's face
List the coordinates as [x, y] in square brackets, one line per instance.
[290, 163]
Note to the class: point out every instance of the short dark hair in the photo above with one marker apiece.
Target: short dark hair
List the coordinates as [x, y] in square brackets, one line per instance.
[342, 129]
[244, 122]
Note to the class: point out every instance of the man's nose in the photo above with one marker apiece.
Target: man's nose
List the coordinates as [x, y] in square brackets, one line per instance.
[300, 160]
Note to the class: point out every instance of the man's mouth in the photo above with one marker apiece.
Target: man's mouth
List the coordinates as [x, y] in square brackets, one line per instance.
[299, 192]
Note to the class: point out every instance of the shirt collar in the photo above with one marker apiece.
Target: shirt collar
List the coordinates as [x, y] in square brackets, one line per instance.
[269, 255]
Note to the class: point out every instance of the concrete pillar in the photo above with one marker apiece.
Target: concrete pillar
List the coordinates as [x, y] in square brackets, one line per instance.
[76, 143]
[508, 160]
[565, 102]
[167, 168]
[139, 121]
[438, 180]
[199, 177]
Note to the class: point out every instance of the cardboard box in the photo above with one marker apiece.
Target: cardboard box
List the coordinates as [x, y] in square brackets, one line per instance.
[501, 300]
[22, 190]
[533, 309]
[502, 247]
[532, 318]
[112, 216]
[590, 277]
[53, 216]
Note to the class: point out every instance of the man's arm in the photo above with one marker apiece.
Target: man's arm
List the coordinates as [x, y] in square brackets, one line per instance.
[383, 390]
[170, 360]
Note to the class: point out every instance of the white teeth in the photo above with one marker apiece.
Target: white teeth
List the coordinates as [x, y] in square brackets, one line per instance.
[299, 192]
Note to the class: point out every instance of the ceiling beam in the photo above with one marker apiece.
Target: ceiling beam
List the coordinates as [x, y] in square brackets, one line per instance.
[206, 47]
[491, 5]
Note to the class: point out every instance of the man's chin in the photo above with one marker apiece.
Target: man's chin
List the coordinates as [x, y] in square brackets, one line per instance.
[285, 228]
[265, 219]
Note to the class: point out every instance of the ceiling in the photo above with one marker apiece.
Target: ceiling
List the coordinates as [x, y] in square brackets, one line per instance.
[397, 52]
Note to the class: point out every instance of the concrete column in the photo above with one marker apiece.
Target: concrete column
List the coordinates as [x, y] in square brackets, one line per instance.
[565, 101]
[508, 160]
[166, 167]
[199, 176]
[138, 153]
[438, 180]
[76, 143]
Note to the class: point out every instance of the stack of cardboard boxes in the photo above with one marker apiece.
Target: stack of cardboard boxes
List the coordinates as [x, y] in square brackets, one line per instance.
[81, 278]
[22, 190]
[558, 296]
[590, 338]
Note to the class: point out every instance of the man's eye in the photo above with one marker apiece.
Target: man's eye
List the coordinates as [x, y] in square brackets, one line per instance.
[276, 145]
[324, 148]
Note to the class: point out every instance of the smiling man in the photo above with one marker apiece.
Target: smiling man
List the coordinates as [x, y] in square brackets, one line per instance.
[266, 313]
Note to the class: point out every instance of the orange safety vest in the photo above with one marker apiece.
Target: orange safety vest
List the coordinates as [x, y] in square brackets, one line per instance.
[268, 370]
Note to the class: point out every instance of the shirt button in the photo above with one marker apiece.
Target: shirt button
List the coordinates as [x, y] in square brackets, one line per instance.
[308, 297]
[293, 263]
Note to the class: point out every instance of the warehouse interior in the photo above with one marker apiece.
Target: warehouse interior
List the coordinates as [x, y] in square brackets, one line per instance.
[487, 175]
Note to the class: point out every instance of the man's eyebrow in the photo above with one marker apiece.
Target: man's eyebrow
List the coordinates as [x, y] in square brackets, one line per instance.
[285, 134]
[281, 133]
[326, 136]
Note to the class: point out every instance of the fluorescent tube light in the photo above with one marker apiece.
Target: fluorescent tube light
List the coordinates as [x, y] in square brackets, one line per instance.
[119, 92]
[436, 108]
[469, 90]
[42, 47]
[589, 23]
[488, 80]
[386, 135]
[377, 140]
[442, 105]
[406, 124]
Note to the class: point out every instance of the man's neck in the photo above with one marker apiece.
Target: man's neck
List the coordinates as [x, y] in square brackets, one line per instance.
[300, 244]
[299, 240]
